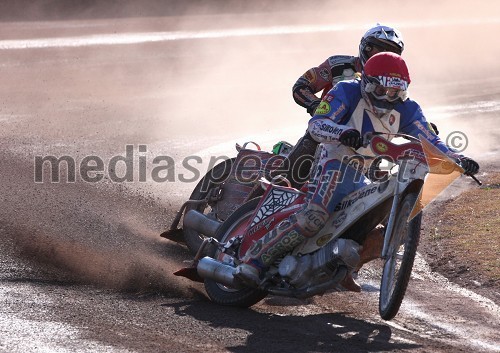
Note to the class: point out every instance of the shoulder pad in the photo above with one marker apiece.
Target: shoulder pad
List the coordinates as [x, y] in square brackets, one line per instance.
[341, 59]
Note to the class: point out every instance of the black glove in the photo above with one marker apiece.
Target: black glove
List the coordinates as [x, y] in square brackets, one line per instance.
[435, 128]
[470, 166]
[351, 138]
[312, 108]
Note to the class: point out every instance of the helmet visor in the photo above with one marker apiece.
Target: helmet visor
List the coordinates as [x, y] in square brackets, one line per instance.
[389, 94]
[386, 40]
[383, 46]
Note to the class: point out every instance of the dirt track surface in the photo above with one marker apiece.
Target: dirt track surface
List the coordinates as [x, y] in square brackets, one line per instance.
[82, 268]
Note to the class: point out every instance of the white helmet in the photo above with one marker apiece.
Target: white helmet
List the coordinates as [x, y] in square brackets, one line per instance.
[385, 38]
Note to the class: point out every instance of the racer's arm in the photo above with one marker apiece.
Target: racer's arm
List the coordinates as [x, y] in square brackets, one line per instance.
[331, 116]
[415, 124]
[311, 82]
[322, 78]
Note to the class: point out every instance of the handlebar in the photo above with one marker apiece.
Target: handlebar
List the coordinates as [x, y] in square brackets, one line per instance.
[369, 135]
[475, 179]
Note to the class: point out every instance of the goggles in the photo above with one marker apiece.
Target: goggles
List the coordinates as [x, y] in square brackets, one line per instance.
[382, 46]
[387, 93]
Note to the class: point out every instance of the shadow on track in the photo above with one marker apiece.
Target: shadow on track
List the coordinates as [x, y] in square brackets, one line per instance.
[328, 332]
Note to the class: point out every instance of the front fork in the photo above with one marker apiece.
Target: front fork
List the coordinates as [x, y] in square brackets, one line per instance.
[390, 223]
[401, 189]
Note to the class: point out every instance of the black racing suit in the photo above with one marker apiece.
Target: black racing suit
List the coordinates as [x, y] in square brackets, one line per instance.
[320, 78]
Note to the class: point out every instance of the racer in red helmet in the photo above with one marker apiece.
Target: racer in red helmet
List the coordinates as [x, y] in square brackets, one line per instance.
[379, 38]
[322, 78]
[378, 102]
[385, 82]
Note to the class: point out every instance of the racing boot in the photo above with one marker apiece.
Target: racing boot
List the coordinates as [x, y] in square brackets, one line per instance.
[371, 250]
[349, 284]
[372, 247]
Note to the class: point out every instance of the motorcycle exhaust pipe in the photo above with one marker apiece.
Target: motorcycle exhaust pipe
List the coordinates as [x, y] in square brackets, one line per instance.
[217, 271]
[201, 223]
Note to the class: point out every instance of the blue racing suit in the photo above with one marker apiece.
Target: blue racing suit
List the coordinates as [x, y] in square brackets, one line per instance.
[342, 108]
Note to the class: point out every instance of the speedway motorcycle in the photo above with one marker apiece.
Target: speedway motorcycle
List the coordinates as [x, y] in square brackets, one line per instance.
[318, 264]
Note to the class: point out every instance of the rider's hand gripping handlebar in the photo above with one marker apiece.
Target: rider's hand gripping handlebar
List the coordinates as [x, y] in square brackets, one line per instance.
[366, 140]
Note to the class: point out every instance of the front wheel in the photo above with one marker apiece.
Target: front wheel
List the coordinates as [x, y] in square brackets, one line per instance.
[235, 225]
[400, 257]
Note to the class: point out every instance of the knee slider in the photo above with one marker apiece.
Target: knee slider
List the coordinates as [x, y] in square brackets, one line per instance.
[311, 220]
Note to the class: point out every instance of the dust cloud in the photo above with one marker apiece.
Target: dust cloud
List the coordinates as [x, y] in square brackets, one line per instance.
[242, 85]
[79, 233]
[136, 270]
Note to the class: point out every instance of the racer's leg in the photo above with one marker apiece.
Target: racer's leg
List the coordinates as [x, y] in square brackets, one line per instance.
[372, 247]
[333, 180]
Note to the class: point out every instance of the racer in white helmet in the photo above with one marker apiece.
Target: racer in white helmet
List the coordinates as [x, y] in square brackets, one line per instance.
[336, 68]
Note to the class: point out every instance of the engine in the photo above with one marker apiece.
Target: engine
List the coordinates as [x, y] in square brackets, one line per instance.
[318, 267]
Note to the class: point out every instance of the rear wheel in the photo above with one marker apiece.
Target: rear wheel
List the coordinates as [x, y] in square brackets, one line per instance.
[206, 186]
[235, 225]
[400, 257]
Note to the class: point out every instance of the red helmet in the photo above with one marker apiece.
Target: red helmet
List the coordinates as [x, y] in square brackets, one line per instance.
[385, 81]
